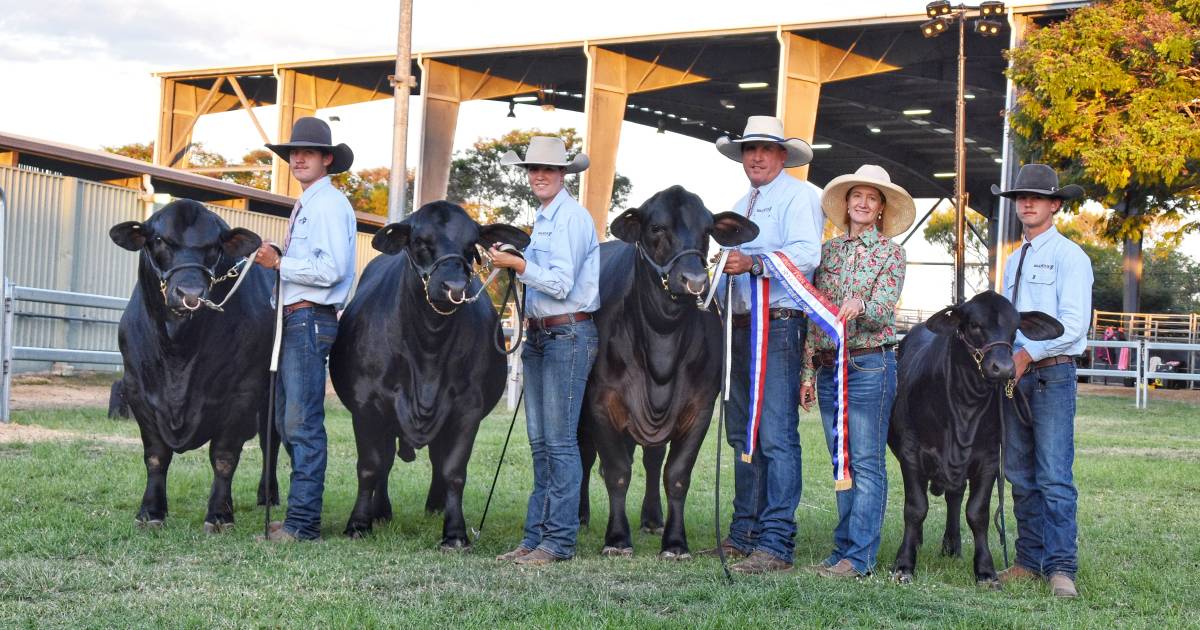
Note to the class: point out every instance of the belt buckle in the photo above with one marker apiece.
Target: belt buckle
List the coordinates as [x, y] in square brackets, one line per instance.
[785, 313]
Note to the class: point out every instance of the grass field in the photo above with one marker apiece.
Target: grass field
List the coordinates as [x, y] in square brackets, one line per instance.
[70, 554]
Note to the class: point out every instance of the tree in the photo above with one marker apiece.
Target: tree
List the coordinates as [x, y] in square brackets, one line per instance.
[1111, 96]
[135, 150]
[254, 179]
[939, 230]
[492, 192]
[367, 189]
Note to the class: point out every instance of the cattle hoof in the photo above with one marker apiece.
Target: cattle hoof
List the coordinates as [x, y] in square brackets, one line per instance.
[657, 531]
[217, 528]
[676, 556]
[150, 523]
[991, 584]
[617, 552]
[356, 532]
[455, 546]
[902, 577]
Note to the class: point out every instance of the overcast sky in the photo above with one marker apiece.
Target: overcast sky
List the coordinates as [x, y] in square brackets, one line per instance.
[79, 72]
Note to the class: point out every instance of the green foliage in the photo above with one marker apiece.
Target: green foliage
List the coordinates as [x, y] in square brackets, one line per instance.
[495, 193]
[939, 230]
[71, 556]
[367, 189]
[1111, 95]
[1170, 280]
[135, 150]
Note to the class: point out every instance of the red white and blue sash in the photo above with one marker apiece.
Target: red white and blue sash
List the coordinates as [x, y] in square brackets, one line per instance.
[821, 311]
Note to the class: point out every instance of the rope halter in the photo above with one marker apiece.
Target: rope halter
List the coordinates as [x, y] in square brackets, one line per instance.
[664, 271]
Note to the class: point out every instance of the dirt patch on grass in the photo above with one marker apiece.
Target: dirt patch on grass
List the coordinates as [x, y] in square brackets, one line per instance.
[61, 392]
[1181, 395]
[1177, 454]
[11, 433]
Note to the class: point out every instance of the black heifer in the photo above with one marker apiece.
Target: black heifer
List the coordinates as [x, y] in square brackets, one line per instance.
[658, 369]
[946, 426]
[193, 374]
[415, 364]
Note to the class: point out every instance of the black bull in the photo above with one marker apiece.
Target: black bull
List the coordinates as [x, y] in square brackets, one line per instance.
[415, 365]
[946, 426]
[194, 375]
[657, 370]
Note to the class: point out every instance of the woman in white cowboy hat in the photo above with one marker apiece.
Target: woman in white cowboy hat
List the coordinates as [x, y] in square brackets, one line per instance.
[862, 270]
[561, 268]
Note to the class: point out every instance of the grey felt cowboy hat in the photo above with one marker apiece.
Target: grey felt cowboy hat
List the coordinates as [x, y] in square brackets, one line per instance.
[1039, 179]
[313, 133]
[766, 129]
[547, 151]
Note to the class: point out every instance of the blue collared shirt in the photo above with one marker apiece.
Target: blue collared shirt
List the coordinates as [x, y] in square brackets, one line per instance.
[789, 219]
[1056, 279]
[562, 262]
[318, 265]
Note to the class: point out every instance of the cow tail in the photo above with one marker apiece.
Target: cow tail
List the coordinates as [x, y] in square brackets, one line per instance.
[118, 407]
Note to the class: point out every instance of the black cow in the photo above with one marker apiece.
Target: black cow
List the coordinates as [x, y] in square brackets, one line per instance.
[193, 374]
[415, 365]
[658, 368]
[946, 426]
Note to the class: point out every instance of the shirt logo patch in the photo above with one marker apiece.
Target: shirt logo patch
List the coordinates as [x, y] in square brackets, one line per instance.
[756, 211]
[302, 220]
[1046, 266]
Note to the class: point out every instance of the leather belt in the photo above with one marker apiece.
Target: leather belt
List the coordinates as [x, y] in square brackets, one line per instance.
[538, 323]
[1051, 361]
[742, 320]
[825, 358]
[295, 306]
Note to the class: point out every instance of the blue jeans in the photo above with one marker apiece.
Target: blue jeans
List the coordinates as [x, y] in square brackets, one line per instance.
[556, 362]
[767, 490]
[871, 389]
[308, 335]
[1037, 463]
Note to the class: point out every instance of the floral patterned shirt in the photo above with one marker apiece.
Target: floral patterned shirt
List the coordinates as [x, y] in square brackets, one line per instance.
[869, 267]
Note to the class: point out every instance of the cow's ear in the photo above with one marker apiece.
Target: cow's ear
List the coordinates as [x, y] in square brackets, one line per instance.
[493, 233]
[392, 238]
[731, 229]
[944, 322]
[1038, 326]
[239, 242]
[131, 235]
[628, 226]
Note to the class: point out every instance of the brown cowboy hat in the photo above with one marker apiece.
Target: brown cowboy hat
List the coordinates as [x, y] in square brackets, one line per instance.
[898, 208]
[313, 133]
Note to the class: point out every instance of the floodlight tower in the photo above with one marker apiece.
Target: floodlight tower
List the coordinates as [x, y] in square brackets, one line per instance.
[942, 15]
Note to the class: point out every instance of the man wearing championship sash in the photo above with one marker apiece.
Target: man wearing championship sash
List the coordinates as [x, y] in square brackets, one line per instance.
[768, 338]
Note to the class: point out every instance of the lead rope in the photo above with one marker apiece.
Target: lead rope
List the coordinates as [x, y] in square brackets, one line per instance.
[278, 339]
[496, 477]
[725, 369]
[1000, 520]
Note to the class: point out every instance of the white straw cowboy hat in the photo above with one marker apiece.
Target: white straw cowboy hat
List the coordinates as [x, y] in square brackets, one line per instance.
[313, 133]
[547, 151]
[766, 129]
[898, 208]
[1039, 179]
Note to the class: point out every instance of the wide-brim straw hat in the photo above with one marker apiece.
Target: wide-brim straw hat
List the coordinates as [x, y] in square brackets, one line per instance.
[1039, 179]
[547, 151]
[766, 129]
[313, 133]
[899, 211]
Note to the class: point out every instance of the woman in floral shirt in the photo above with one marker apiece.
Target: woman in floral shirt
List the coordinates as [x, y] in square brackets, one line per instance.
[861, 270]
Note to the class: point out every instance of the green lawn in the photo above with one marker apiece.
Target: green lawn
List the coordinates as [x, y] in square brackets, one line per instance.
[71, 556]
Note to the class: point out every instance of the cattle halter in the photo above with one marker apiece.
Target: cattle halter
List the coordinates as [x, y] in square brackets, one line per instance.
[235, 271]
[664, 271]
[425, 272]
[978, 353]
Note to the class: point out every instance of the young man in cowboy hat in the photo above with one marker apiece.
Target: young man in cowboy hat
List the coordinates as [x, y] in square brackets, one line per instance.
[316, 270]
[561, 269]
[1051, 274]
[788, 214]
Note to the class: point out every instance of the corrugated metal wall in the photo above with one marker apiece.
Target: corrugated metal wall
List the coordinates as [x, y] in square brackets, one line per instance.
[57, 238]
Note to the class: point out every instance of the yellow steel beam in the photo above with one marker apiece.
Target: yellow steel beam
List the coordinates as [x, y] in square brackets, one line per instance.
[237, 87]
[180, 105]
[804, 65]
[9, 158]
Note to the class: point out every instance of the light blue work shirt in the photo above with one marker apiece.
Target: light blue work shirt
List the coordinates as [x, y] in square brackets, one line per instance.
[562, 262]
[789, 219]
[1056, 279]
[318, 265]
